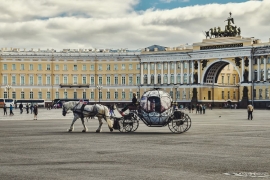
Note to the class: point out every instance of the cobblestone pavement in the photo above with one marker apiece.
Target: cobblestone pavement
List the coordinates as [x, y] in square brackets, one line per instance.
[221, 144]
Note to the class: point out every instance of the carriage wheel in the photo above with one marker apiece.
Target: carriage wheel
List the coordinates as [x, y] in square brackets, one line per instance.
[128, 125]
[135, 124]
[188, 120]
[121, 125]
[180, 125]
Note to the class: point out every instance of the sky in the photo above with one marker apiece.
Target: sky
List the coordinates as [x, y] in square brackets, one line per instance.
[126, 24]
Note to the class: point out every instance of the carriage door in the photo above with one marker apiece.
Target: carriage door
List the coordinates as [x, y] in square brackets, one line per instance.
[209, 95]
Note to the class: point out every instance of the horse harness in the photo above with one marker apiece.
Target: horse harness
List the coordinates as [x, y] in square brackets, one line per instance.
[81, 110]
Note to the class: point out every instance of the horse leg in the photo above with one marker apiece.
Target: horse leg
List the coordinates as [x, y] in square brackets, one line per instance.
[84, 127]
[100, 124]
[109, 122]
[72, 124]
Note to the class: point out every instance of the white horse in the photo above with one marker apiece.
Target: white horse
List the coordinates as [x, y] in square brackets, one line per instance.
[81, 111]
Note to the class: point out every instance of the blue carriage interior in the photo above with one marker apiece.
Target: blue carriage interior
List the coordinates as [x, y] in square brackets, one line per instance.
[156, 108]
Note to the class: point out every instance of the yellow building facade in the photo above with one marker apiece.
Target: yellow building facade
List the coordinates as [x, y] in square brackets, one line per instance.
[218, 70]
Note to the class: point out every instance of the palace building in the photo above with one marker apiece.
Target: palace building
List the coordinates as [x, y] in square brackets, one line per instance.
[223, 68]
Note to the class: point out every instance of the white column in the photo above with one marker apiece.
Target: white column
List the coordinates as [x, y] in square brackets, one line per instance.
[192, 75]
[155, 75]
[142, 75]
[188, 75]
[199, 71]
[162, 73]
[175, 72]
[264, 68]
[182, 72]
[249, 70]
[148, 74]
[258, 69]
[169, 72]
[243, 68]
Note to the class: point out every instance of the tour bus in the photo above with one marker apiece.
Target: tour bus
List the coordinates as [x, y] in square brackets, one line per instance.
[57, 103]
[7, 102]
[39, 102]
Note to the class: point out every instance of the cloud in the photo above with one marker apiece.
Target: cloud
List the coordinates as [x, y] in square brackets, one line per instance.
[167, 1]
[114, 24]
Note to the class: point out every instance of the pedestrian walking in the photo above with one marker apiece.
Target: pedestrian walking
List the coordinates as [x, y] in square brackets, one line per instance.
[197, 109]
[203, 108]
[21, 108]
[250, 111]
[5, 109]
[31, 108]
[189, 108]
[48, 106]
[35, 110]
[11, 110]
[192, 107]
[27, 108]
[200, 107]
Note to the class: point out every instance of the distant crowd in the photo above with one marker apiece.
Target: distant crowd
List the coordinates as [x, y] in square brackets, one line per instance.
[32, 107]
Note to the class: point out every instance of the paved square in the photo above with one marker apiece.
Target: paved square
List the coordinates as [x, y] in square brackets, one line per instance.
[220, 141]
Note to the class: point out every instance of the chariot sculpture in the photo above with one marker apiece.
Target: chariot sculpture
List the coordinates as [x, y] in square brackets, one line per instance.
[230, 30]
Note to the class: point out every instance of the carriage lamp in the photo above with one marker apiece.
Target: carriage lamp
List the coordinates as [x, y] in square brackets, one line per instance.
[8, 87]
[99, 89]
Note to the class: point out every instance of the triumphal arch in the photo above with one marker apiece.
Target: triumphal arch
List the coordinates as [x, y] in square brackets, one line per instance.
[225, 68]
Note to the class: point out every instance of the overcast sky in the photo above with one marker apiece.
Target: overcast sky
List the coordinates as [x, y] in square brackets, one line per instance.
[132, 24]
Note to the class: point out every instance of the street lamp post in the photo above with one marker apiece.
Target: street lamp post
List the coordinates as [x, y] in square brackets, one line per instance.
[238, 94]
[99, 89]
[8, 87]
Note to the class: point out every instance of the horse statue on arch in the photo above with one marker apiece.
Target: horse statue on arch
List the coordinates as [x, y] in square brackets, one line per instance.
[81, 111]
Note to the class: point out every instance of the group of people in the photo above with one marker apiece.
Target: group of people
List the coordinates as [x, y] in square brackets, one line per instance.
[33, 108]
[200, 108]
[10, 110]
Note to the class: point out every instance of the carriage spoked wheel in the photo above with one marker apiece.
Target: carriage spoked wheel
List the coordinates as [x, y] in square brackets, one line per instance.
[121, 125]
[180, 125]
[135, 124]
[188, 120]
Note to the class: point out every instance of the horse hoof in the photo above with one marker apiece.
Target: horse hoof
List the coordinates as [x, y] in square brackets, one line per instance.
[83, 130]
[111, 129]
[97, 131]
[69, 130]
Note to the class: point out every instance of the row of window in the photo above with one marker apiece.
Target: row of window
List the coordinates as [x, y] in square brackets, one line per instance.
[166, 65]
[260, 95]
[75, 67]
[261, 60]
[266, 94]
[228, 79]
[117, 80]
[165, 79]
[92, 95]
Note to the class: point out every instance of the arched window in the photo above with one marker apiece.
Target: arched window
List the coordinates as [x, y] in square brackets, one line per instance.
[178, 78]
[145, 79]
[159, 79]
[165, 79]
[172, 78]
[152, 79]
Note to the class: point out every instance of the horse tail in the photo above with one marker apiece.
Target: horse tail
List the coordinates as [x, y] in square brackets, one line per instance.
[107, 115]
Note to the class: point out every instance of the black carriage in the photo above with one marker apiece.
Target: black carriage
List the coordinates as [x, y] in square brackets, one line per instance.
[155, 109]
